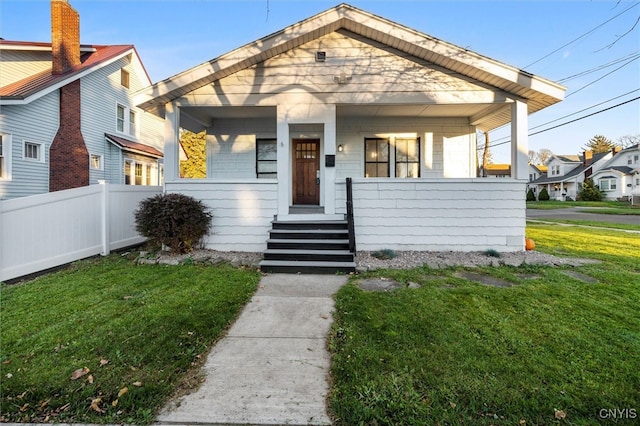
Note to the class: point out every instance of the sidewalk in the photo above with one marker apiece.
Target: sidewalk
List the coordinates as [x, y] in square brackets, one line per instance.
[272, 366]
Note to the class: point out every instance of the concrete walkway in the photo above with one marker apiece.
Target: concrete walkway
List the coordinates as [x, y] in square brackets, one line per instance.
[272, 367]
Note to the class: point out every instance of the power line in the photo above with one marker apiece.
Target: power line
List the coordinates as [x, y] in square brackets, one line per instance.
[568, 122]
[582, 36]
[600, 78]
[599, 67]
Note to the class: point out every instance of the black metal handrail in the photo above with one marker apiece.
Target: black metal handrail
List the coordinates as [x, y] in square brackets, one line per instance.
[350, 223]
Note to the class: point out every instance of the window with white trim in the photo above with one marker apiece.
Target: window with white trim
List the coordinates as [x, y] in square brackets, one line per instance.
[608, 184]
[95, 162]
[140, 173]
[4, 156]
[555, 170]
[633, 159]
[124, 78]
[126, 120]
[33, 151]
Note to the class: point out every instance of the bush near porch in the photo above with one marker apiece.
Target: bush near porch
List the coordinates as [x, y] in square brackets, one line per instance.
[550, 350]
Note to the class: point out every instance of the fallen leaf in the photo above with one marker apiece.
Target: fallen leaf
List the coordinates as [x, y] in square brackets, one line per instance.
[114, 403]
[9, 375]
[79, 373]
[522, 422]
[90, 379]
[123, 391]
[559, 414]
[65, 407]
[137, 384]
[6, 362]
[453, 405]
[127, 297]
[24, 408]
[44, 404]
[22, 395]
[103, 362]
[95, 405]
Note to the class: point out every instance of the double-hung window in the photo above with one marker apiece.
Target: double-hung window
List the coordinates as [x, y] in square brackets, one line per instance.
[125, 120]
[609, 184]
[376, 157]
[266, 158]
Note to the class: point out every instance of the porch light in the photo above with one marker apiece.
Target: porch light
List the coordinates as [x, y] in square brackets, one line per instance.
[340, 148]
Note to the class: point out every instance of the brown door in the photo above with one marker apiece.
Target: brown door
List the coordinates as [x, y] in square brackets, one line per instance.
[306, 171]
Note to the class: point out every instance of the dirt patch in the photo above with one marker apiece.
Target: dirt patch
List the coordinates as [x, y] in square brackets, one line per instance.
[483, 279]
[380, 284]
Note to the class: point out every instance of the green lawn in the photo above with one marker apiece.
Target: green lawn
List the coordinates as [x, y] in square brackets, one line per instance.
[609, 206]
[130, 332]
[551, 350]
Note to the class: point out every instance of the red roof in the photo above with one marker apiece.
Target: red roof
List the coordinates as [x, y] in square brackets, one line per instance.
[31, 85]
[136, 147]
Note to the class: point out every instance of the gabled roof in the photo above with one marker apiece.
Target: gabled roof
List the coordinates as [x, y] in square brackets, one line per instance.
[34, 86]
[573, 172]
[134, 147]
[539, 93]
[568, 158]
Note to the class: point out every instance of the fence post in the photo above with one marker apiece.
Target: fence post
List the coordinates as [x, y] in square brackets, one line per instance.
[104, 219]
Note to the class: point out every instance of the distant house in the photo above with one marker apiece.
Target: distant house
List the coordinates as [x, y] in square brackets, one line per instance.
[536, 171]
[67, 118]
[566, 174]
[619, 178]
[497, 170]
[348, 94]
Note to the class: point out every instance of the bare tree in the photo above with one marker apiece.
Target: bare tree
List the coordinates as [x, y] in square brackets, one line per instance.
[543, 155]
[629, 140]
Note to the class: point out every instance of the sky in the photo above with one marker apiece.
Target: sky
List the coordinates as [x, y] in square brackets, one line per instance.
[595, 42]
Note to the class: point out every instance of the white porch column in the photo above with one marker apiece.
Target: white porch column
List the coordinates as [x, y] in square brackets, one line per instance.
[519, 140]
[330, 144]
[283, 163]
[171, 131]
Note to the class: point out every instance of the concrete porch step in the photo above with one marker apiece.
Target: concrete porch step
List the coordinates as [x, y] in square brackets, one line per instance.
[306, 267]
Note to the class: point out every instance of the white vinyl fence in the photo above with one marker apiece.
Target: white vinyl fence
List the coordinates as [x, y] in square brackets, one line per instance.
[49, 230]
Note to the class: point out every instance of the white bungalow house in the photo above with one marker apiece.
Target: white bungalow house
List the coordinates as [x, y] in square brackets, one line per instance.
[347, 94]
[536, 171]
[619, 178]
[67, 117]
[566, 174]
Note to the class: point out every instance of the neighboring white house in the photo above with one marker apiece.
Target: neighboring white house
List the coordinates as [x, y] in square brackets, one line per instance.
[619, 178]
[566, 174]
[66, 114]
[536, 171]
[344, 94]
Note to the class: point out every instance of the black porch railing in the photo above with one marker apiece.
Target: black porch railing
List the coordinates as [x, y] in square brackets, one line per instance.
[350, 224]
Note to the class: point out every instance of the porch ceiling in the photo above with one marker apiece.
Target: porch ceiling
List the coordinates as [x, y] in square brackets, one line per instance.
[206, 116]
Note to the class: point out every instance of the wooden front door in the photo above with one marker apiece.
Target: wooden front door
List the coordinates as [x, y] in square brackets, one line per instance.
[306, 171]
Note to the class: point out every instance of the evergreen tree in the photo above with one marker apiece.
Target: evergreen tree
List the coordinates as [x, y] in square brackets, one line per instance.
[544, 195]
[530, 195]
[599, 143]
[590, 192]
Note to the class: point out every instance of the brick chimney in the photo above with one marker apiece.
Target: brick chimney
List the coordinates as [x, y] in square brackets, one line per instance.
[65, 36]
[587, 158]
[68, 155]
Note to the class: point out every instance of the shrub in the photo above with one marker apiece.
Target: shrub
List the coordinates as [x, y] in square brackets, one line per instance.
[530, 195]
[590, 192]
[384, 254]
[544, 195]
[175, 220]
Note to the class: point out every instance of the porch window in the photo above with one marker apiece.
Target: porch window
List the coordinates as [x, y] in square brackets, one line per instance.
[138, 174]
[376, 162]
[407, 157]
[127, 172]
[266, 158]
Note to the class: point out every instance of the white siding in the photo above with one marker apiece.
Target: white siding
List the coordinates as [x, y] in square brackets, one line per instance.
[446, 144]
[437, 215]
[242, 211]
[231, 147]
[377, 74]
